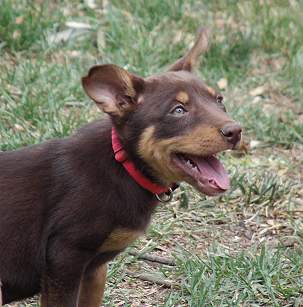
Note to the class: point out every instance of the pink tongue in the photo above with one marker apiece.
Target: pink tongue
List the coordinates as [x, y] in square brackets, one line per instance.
[211, 168]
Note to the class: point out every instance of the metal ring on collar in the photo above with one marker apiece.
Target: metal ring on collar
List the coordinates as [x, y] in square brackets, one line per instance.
[168, 196]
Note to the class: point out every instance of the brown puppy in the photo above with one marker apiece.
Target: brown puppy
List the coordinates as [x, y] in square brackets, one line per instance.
[68, 206]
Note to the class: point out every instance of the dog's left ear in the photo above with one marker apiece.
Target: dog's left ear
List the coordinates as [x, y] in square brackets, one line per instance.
[189, 61]
[114, 89]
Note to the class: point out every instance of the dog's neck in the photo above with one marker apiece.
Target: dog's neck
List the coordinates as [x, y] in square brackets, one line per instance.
[122, 157]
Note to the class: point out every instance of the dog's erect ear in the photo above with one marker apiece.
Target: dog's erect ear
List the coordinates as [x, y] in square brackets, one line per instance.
[189, 61]
[114, 89]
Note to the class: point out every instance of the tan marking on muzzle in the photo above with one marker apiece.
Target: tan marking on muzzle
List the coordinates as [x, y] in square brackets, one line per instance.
[157, 153]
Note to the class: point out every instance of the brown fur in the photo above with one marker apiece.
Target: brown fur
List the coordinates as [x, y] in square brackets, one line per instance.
[67, 207]
[189, 61]
[92, 288]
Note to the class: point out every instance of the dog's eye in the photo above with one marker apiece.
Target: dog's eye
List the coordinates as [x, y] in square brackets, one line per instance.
[179, 110]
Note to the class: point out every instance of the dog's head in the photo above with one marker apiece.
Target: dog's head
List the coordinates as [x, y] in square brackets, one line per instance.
[173, 123]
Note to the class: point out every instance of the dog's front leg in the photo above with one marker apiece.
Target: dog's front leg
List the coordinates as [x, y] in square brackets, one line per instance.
[92, 287]
[61, 280]
[59, 294]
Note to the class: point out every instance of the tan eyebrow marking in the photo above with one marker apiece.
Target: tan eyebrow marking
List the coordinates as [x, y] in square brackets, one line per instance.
[211, 91]
[182, 97]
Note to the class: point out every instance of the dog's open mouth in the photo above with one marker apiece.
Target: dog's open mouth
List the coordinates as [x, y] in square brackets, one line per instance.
[207, 174]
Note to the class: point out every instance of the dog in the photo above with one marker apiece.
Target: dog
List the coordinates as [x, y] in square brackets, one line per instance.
[68, 206]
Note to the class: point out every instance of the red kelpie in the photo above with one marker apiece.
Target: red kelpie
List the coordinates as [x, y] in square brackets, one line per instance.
[68, 206]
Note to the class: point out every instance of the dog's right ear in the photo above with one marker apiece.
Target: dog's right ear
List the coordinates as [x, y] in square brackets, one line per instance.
[114, 89]
[190, 59]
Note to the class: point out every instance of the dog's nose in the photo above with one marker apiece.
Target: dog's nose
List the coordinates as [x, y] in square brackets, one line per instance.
[232, 133]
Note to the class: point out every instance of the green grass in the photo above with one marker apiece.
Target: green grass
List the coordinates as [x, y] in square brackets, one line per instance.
[257, 277]
[242, 249]
[24, 24]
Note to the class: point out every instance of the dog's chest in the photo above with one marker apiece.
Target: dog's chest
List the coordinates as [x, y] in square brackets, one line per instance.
[119, 239]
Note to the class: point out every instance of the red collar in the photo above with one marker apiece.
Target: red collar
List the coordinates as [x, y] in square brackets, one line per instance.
[121, 156]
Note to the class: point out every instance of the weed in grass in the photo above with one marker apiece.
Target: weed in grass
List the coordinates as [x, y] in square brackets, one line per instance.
[256, 277]
[265, 189]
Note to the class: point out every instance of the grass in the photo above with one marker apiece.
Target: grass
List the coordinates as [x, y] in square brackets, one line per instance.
[264, 276]
[242, 249]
